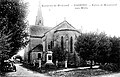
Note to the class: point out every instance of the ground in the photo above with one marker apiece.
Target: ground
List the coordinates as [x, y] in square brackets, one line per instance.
[23, 72]
[73, 72]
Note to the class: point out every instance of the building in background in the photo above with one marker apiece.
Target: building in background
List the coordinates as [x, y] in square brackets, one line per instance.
[43, 39]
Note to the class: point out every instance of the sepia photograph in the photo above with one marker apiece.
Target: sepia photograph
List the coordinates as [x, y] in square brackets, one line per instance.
[59, 38]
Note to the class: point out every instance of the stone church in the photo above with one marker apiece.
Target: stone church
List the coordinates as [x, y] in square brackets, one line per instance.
[43, 39]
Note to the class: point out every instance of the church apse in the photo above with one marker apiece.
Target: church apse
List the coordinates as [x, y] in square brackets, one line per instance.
[65, 40]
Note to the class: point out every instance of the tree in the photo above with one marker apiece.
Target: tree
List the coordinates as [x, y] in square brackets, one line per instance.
[59, 54]
[93, 47]
[104, 47]
[73, 60]
[12, 27]
[115, 50]
[86, 46]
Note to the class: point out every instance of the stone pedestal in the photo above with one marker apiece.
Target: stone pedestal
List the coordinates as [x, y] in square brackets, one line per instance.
[49, 64]
[49, 57]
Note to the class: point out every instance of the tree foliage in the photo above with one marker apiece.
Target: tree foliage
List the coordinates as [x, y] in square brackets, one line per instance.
[59, 54]
[86, 46]
[12, 26]
[104, 47]
[93, 46]
[74, 60]
[115, 50]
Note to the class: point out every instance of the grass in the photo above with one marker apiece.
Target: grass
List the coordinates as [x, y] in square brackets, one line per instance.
[80, 73]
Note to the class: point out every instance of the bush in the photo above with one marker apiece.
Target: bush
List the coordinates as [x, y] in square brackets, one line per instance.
[49, 66]
[61, 64]
[83, 63]
[110, 67]
[58, 54]
[73, 60]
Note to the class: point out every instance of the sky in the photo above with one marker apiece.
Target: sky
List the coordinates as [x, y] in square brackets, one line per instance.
[86, 15]
[95, 15]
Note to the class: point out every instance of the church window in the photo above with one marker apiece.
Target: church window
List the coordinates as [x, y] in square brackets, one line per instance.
[62, 47]
[71, 44]
[48, 46]
[39, 55]
[51, 45]
[39, 21]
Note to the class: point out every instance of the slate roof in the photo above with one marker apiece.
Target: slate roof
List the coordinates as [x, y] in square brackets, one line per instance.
[36, 30]
[37, 48]
[63, 26]
[39, 31]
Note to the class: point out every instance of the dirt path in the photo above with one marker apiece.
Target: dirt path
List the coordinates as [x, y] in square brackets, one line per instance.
[23, 72]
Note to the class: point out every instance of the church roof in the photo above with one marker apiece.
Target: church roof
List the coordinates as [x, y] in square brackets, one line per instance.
[63, 26]
[37, 48]
[36, 30]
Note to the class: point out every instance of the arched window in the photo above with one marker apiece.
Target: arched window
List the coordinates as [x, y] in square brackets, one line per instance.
[51, 45]
[71, 44]
[62, 47]
[39, 55]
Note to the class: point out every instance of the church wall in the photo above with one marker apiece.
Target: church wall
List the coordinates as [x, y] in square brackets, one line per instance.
[49, 38]
[56, 38]
[34, 56]
[66, 38]
[34, 42]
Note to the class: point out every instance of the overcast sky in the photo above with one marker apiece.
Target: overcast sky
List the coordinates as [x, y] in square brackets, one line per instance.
[95, 15]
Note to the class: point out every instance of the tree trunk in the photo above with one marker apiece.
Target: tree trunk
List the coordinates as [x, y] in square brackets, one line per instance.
[91, 64]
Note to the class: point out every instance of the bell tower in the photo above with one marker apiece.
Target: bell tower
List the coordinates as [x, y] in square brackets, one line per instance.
[39, 18]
